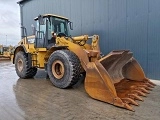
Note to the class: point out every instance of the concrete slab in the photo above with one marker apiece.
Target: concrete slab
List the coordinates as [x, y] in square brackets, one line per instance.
[157, 82]
[38, 99]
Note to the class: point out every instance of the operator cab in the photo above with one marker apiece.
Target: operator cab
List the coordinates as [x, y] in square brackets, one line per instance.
[49, 27]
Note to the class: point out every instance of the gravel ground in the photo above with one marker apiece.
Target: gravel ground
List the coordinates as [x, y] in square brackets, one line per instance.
[38, 99]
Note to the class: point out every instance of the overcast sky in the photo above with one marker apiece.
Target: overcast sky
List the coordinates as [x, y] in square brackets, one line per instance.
[9, 22]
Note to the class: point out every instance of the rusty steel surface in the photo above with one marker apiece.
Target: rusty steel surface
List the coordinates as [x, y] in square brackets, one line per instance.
[117, 79]
[38, 99]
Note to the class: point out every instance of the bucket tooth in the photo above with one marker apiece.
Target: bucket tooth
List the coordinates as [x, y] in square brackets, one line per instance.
[149, 85]
[130, 101]
[144, 90]
[139, 92]
[151, 82]
[136, 96]
[145, 86]
[148, 88]
[127, 106]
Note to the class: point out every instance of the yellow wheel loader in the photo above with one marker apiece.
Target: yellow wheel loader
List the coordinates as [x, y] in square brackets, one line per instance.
[6, 53]
[116, 78]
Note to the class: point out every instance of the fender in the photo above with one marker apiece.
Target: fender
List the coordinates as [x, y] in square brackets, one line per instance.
[50, 51]
[19, 48]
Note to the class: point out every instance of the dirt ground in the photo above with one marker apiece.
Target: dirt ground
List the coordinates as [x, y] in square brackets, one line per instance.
[38, 99]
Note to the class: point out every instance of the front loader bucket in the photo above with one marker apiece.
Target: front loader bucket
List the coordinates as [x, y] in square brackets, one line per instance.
[117, 79]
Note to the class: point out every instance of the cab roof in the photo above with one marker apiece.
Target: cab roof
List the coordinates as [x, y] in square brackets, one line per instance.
[51, 15]
[21, 1]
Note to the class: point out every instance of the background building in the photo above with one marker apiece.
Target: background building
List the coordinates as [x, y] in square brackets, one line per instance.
[121, 24]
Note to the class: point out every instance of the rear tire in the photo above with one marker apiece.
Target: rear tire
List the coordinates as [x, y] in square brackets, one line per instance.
[22, 66]
[63, 68]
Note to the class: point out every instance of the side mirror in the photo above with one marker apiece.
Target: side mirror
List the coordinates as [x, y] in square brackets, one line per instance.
[71, 25]
[40, 20]
[33, 29]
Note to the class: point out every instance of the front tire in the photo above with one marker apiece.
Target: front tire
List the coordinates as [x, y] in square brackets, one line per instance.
[63, 68]
[22, 66]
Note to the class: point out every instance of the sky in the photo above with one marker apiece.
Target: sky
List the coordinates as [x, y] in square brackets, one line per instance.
[9, 22]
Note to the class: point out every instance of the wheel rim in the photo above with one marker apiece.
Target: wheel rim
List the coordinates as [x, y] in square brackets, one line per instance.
[20, 65]
[58, 69]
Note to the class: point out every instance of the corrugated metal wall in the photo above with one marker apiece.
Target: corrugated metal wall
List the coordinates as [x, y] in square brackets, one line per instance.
[121, 24]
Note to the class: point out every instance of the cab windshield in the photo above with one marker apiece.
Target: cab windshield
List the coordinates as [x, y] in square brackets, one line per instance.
[57, 25]
[49, 25]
